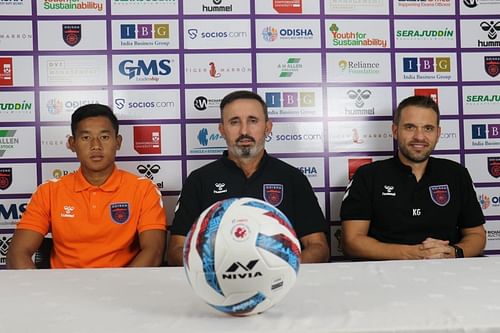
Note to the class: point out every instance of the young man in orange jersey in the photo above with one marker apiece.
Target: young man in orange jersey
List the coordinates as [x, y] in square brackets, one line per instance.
[99, 216]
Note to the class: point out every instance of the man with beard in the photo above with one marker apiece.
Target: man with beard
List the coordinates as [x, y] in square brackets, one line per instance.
[246, 170]
[412, 206]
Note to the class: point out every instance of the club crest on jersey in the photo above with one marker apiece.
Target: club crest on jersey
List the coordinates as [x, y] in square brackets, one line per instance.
[440, 194]
[5, 178]
[273, 193]
[119, 212]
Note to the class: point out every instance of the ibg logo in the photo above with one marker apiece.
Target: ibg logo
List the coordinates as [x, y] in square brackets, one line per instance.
[426, 64]
[290, 99]
[133, 68]
[490, 131]
[144, 31]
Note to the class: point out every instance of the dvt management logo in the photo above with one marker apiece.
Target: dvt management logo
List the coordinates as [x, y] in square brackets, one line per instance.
[142, 70]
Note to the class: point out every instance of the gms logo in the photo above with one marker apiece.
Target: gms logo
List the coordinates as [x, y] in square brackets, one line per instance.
[291, 66]
[486, 131]
[354, 38]
[359, 97]
[491, 27]
[145, 34]
[144, 71]
[11, 214]
[359, 67]
[291, 103]
[427, 65]
[270, 34]
[195, 33]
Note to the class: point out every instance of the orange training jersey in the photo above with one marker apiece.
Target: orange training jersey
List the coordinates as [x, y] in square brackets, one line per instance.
[95, 226]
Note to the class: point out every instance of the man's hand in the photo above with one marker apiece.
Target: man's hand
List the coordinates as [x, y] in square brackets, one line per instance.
[436, 249]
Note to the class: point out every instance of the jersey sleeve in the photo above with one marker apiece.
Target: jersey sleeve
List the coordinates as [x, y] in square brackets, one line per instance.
[357, 200]
[188, 206]
[471, 214]
[310, 218]
[37, 215]
[152, 212]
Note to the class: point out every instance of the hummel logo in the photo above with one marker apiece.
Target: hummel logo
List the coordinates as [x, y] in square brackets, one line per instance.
[389, 191]
[220, 188]
[68, 211]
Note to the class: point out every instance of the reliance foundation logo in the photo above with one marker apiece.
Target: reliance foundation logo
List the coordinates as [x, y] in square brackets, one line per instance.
[354, 38]
[359, 67]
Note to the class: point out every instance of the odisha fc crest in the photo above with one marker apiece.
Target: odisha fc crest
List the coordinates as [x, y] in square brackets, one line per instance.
[440, 194]
[494, 166]
[119, 212]
[72, 33]
[273, 193]
[5, 178]
[492, 65]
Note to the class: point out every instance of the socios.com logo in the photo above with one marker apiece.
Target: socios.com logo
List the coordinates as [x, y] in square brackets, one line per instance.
[133, 68]
[192, 33]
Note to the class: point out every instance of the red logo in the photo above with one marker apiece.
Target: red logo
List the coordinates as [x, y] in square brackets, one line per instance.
[6, 72]
[430, 92]
[240, 232]
[288, 6]
[147, 139]
[355, 163]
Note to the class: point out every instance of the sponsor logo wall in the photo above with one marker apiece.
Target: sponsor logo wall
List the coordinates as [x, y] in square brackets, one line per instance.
[330, 76]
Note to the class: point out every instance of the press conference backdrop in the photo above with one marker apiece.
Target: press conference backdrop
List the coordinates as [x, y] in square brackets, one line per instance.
[330, 71]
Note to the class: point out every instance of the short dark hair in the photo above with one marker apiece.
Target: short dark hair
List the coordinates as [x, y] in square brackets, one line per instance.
[93, 110]
[242, 94]
[422, 101]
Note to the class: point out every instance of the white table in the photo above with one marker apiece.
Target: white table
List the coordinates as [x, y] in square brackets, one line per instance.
[461, 295]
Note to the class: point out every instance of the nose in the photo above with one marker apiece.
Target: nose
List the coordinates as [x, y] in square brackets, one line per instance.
[95, 144]
[419, 133]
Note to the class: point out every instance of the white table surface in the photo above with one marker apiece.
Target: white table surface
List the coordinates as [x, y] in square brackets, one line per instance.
[460, 295]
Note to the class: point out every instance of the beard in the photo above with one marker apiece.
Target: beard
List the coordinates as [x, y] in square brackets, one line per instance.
[247, 151]
[416, 157]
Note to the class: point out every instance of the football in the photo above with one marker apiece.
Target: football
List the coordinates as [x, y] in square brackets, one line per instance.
[241, 256]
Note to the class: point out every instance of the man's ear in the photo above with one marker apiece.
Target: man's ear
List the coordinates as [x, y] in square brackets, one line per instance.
[118, 142]
[269, 126]
[221, 129]
[71, 143]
